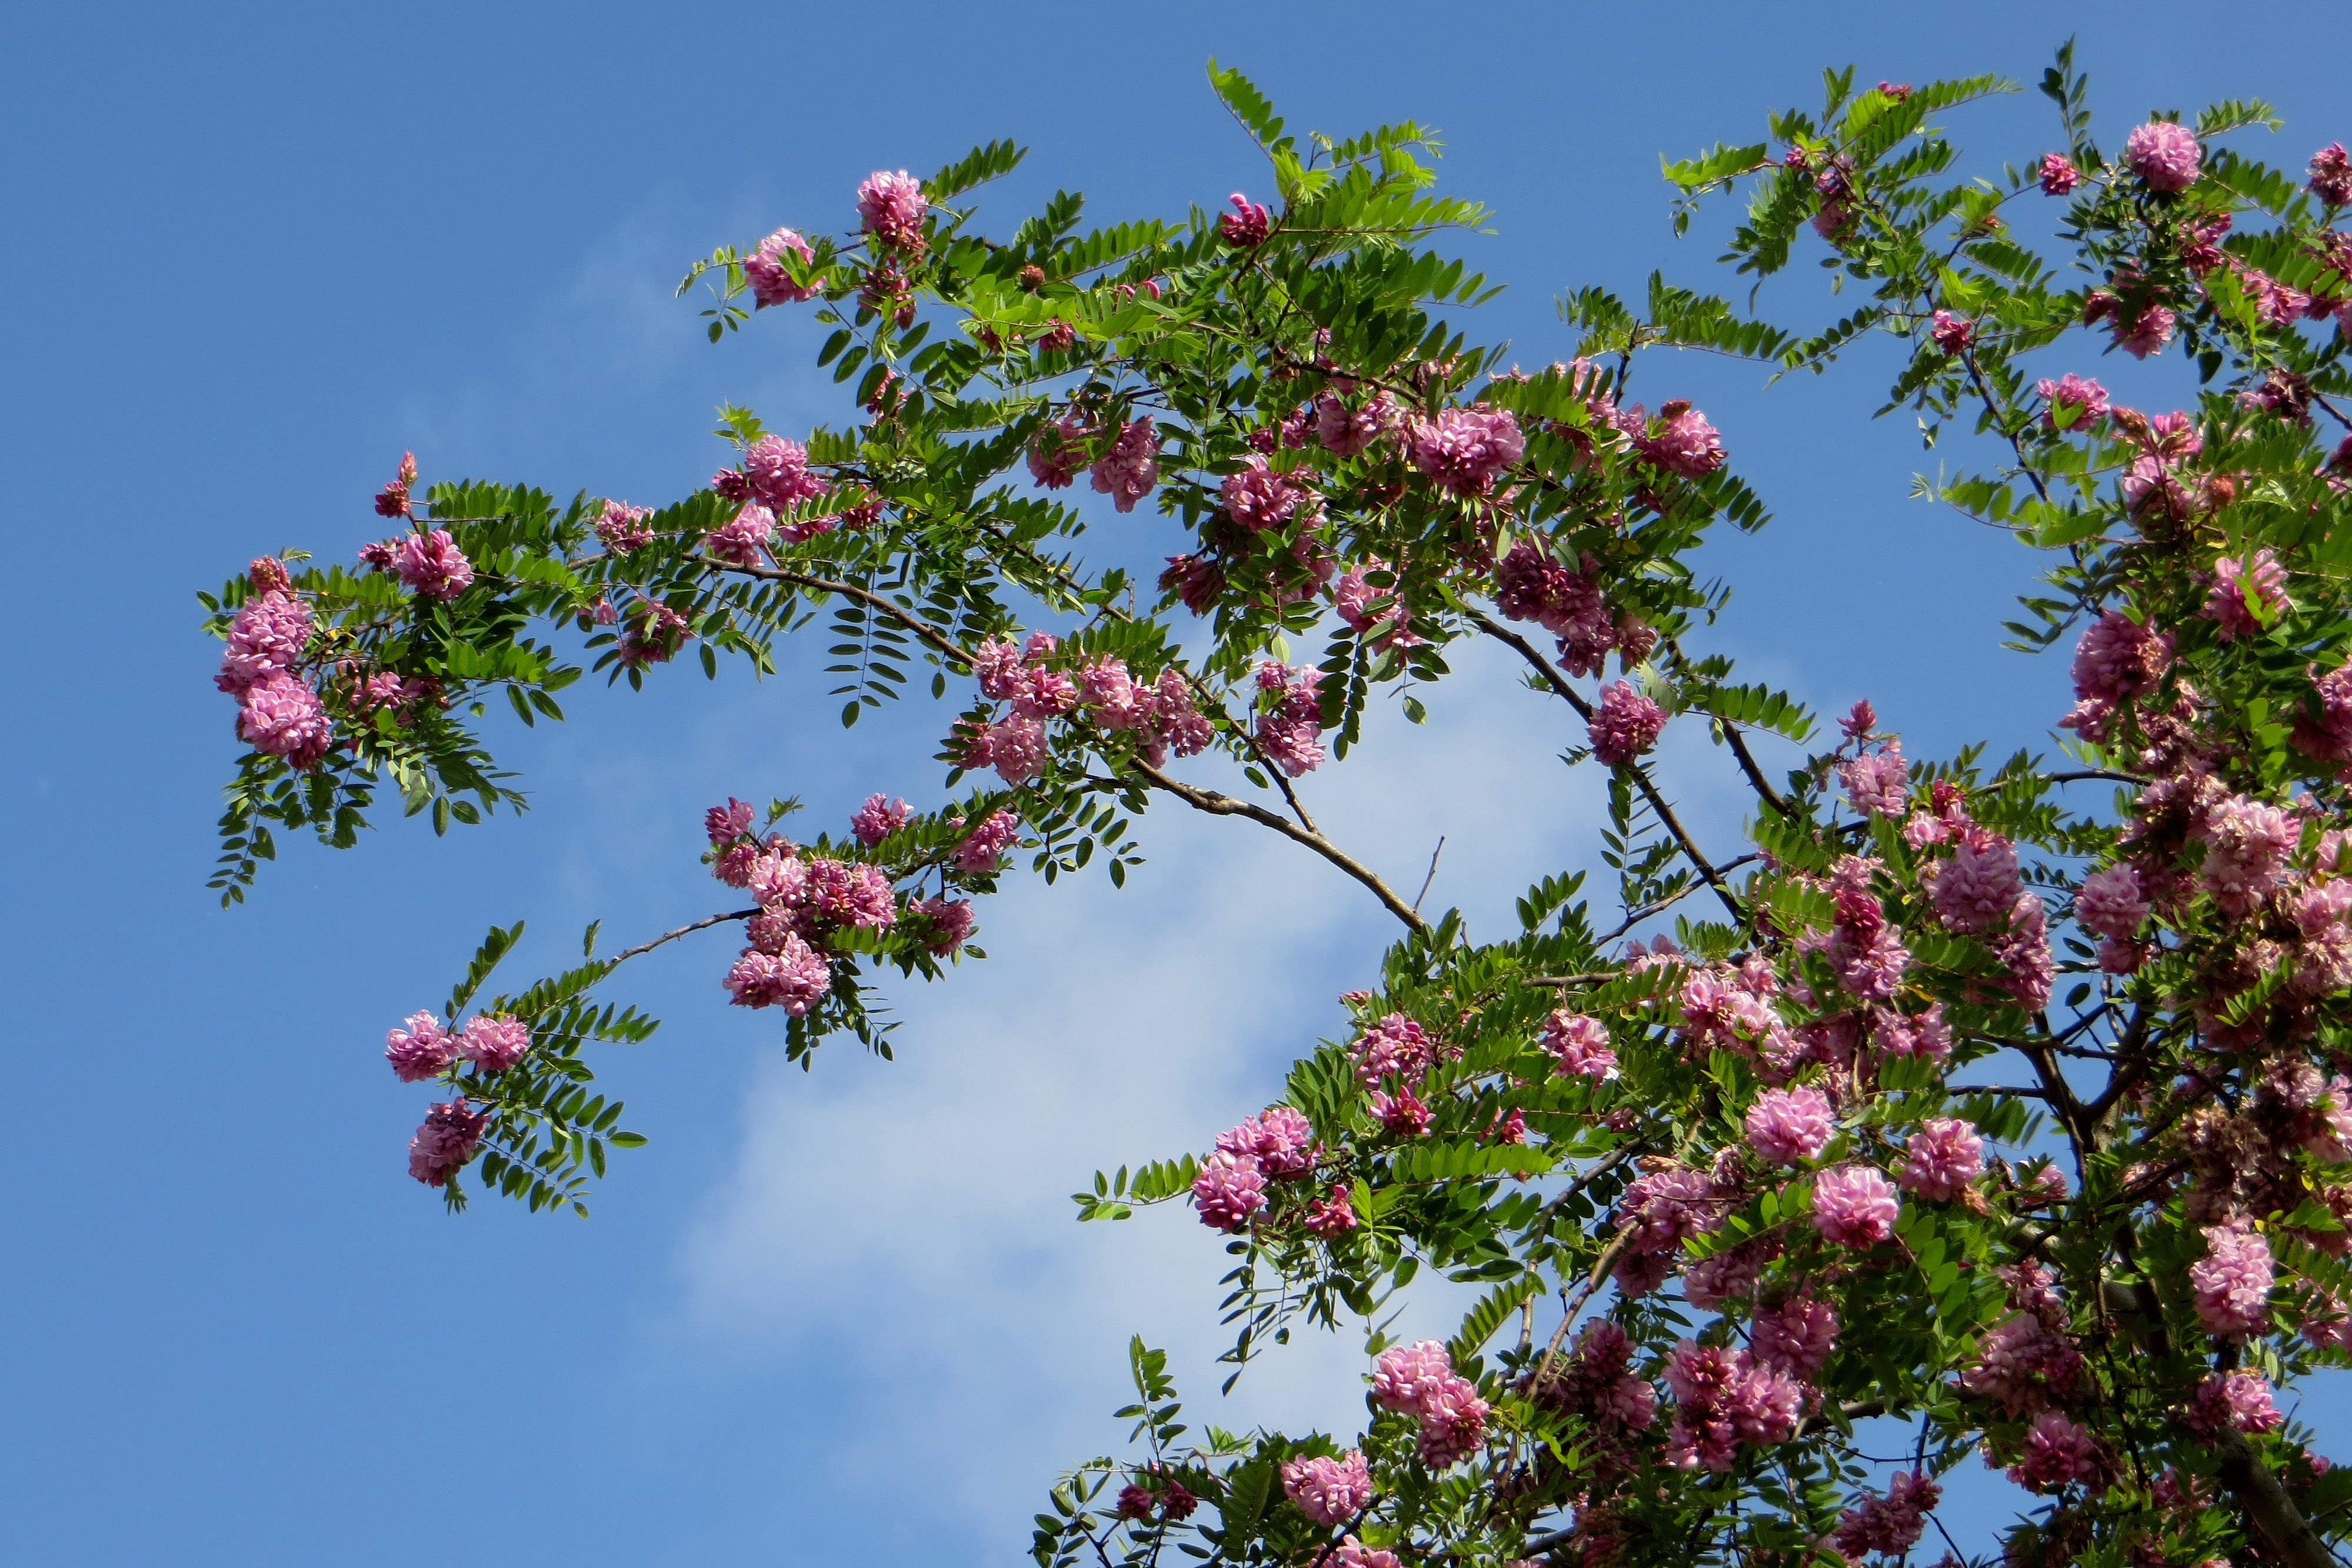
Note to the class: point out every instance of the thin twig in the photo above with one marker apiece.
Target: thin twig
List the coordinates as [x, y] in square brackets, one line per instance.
[1432, 873]
[643, 947]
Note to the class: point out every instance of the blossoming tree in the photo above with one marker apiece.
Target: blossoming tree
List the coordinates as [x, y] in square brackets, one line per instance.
[2039, 1070]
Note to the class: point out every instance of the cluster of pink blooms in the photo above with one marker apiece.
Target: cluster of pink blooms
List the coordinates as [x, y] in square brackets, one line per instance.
[1033, 678]
[2164, 154]
[428, 561]
[2056, 1453]
[1951, 333]
[1889, 1525]
[1377, 613]
[879, 818]
[1349, 431]
[2057, 174]
[1580, 1044]
[771, 279]
[2239, 1400]
[1463, 451]
[1679, 441]
[278, 712]
[2331, 175]
[1724, 1398]
[1326, 1491]
[1878, 783]
[1278, 1143]
[2072, 402]
[1290, 729]
[1530, 584]
[800, 899]
[1791, 1126]
[1247, 225]
[1855, 1205]
[1866, 950]
[424, 1050]
[2116, 660]
[1980, 892]
[2240, 585]
[2026, 1360]
[1131, 467]
[622, 527]
[2246, 845]
[1259, 496]
[891, 208]
[2138, 332]
[1946, 1156]
[1624, 724]
[2233, 1281]
[1419, 1380]
[451, 1133]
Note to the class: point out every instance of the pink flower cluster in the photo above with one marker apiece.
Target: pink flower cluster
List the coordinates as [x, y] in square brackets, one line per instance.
[1624, 724]
[1376, 613]
[1290, 729]
[1131, 467]
[1789, 1126]
[1326, 1491]
[1465, 450]
[279, 714]
[2239, 586]
[1878, 783]
[1259, 497]
[984, 847]
[451, 1133]
[622, 527]
[1247, 225]
[433, 565]
[1228, 1191]
[2246, 845]
[1724, 1398]
[879, 818]
[2239, 1400]
[1946, 1156]
[2057, 174]
[1032, 677]
[1889, 1525]
[1681, 441]
[771, 279]
[2057, 1452]
[1580, 1044]
[1280, 1138]
[891, 207]
[2071, 402]
[2331, 175]
[1797, 1337]
[1855, 1205]
[1530, 584]
[1419, 1380]
[425, 1050]
[2164, 154]
[1349, 432]
[1395, 1047]
[2233, 1281]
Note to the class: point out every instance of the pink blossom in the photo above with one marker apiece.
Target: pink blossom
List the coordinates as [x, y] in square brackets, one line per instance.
[734, 865]
[1131, 467]
[1580, 1044]
[1951, 332]
[1464, 450]
[1789, 1126]
[2023, 950]
[1976, 889]
[2163, 154]
[2021, 1365]
[1855, 1205]
[764, 269]
[742, 541]
[1280, 1139]
[1723, 1399]
[1247, 225]
[1796, 1337]
[2146, 333]
[1260, 497]
[891, 207]
[2238, 587]
[421, 1050]
[1354, 1553]
[1625, 724]
[1374, 612]
[2246, 846]
[1406, 1373]
[2119, 658]
[1890, 1525]
[451, 1133]
[1228, 1191]
[1683, 442]
[795, 978]
[1926, 1034]
[981, 850]
[777, 470]
[2239, 1400]
[1326, 1491]
[1395, 1046]
[1946, 1156]
[495, 1044]
[1175, 720]
[1346, 433]
[1664, 1207]
[266, 638]
[1058, 450]
[853, 895]
[2072, 402]
[2056, 1451]
[282, 716]
[1401, 1116]
[778, 880]
[1016, 748]
[951, 921]
[622, 527]
[1878, 784]
[2233, 1281]
[2112, 903]
[1453, 1423]
[2331, 175]
[879, 818]
[434, 565]
[2058, 175]
[1333, 1217]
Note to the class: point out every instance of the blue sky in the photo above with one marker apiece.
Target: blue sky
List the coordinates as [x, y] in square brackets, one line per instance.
[252, 252]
